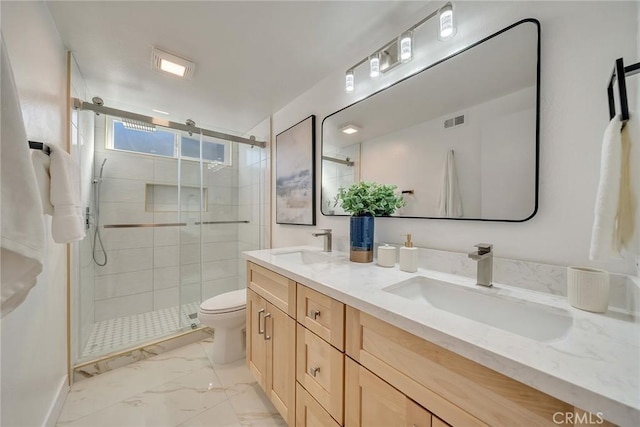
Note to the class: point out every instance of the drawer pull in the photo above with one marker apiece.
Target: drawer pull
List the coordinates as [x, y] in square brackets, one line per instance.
[260, 329]
[314, 314]
[314, 371]
[266, 337]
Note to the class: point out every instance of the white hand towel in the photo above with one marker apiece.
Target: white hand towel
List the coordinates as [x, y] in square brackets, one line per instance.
[67, 224]
[450, 203]
[41, 162]
[613, 220]
[22, 227]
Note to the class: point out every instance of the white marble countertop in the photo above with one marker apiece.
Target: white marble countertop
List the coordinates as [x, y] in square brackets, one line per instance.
[595, 366]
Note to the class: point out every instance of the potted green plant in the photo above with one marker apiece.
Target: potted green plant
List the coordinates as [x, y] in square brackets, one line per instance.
[365, 200]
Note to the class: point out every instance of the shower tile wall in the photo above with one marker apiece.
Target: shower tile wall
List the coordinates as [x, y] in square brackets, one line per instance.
[151, 268]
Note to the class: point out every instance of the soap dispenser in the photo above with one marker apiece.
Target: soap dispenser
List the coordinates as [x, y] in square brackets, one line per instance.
[409, 256]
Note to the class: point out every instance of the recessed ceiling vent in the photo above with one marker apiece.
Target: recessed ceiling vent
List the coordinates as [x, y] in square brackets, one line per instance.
[170, 63]
[455, 121]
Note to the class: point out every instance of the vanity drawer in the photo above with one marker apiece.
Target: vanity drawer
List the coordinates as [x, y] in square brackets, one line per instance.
[275, 288]
[322, 315]
[309, 413]
[452, 387]
[320, 370]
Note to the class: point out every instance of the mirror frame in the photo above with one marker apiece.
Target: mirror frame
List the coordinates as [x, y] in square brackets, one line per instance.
[537, 166]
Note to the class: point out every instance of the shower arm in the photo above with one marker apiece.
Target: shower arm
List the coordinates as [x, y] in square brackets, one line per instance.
[101, 109]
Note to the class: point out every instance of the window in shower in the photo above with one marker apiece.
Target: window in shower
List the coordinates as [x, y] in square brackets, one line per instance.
[158, 141]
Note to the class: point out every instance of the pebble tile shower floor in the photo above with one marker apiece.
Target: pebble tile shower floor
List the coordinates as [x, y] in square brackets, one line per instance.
[128, 331]
[181, 387]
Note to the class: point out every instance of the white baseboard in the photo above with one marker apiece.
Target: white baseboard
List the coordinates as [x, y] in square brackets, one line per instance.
[58, 403]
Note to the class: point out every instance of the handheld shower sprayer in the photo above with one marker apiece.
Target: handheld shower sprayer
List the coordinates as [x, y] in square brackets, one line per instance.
[97, 237]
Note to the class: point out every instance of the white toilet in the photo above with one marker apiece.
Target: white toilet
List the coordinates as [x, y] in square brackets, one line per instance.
[225, 314]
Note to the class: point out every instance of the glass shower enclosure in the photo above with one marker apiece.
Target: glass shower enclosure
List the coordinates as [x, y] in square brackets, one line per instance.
[168, 213]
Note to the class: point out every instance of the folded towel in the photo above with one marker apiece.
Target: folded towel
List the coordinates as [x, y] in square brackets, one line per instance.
[22, 228]
[41, 163]
[613, 219]
[68, 223]
[450, 203]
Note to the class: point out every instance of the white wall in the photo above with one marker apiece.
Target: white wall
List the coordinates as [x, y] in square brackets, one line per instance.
[580, 41]
[34, 339]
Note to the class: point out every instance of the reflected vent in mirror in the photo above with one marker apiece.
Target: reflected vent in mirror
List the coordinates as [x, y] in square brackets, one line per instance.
[449, 123]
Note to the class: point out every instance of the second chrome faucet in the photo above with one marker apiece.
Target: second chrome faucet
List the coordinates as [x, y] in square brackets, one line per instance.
[484, 256]
[327, 238]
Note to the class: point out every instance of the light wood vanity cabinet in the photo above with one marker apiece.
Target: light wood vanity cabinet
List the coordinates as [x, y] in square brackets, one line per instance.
[271, 337]
[388, 377]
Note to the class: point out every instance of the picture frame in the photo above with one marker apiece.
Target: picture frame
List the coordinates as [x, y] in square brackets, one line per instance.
[295, 174]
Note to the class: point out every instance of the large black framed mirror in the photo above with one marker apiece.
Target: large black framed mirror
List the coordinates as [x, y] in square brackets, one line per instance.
[460, 138]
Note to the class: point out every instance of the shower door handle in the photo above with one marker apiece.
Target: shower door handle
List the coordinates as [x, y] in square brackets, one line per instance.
[260, 329]
[266, 337]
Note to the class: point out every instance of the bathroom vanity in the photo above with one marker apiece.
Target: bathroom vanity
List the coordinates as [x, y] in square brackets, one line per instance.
[337, 343]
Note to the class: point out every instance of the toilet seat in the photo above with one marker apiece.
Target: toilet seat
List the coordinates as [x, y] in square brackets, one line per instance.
[228, 302]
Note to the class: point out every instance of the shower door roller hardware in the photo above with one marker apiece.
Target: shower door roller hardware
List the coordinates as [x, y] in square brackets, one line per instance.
[266, 337]
[314, 314]
[260, 329]
[314, 371]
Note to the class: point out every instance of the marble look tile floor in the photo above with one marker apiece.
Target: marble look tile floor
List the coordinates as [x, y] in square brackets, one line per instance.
[182, 387]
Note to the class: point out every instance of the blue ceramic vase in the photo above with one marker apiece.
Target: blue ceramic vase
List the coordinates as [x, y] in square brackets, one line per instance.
[362, 238]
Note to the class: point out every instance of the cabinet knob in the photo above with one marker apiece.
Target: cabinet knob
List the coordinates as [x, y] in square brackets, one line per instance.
[313, 371]
[314, 314]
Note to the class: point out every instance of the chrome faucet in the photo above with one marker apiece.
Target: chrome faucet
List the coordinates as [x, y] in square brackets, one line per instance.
[484, 256]
[327, 238]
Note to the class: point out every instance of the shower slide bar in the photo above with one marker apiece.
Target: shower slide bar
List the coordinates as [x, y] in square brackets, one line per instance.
[101, 109]
[172, 224]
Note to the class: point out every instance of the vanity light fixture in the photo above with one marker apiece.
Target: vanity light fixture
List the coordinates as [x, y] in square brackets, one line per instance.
[349, 81]
[349, 128]
[169, 63]
[405, 46]
[447, 26]
[400, 49]
[374, 65]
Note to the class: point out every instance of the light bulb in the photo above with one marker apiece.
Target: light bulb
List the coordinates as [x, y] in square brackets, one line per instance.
[349, 82]
[406, 46]
[447, 25]
[374, 65]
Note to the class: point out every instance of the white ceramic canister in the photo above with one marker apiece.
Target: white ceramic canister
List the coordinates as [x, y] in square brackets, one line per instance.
[588, 288]
[386, 256]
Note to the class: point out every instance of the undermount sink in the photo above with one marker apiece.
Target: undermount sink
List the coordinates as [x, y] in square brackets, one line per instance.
[528, 319]
[305, 257]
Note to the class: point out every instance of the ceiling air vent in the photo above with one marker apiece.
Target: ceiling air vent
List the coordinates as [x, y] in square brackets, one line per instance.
[455, 121]
[170, 63]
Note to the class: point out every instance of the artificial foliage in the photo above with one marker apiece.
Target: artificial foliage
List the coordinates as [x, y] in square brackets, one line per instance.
[369, 198]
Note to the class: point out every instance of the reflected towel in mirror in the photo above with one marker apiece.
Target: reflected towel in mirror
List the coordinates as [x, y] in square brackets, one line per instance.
[450, 203]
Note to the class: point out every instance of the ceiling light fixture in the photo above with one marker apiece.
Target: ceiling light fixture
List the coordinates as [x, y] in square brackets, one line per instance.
[401, 49]
[159, 111]
[447, 28]
[349, 128]
[170, 63]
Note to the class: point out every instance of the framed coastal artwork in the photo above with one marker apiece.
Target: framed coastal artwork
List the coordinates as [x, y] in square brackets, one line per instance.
[295, 174]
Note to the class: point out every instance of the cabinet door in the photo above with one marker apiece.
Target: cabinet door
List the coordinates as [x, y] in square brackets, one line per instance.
[309, 413]
[371, 402]
[256, 344]
[280, 334]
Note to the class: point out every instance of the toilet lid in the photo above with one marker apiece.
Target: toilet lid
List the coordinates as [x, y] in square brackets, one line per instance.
[229, 301]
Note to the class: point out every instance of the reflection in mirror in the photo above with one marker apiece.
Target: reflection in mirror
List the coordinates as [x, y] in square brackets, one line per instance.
[459, 138]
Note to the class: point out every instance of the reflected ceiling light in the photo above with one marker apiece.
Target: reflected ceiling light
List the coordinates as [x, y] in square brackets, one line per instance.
[349, 82]
[169, 63]
[405, 46]
[374, 65]
[137, 125]
[400, 49]
[447, 28]
[349, 128]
